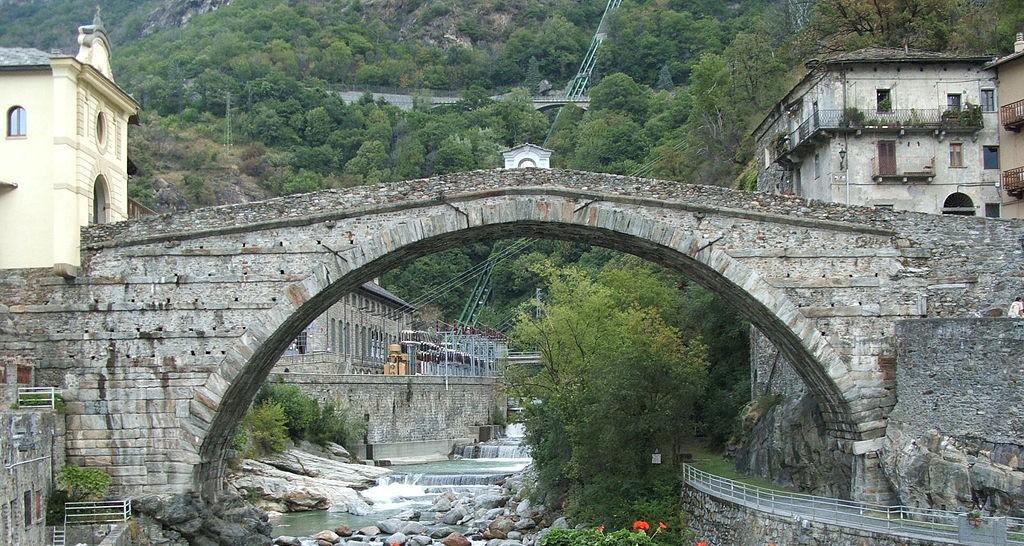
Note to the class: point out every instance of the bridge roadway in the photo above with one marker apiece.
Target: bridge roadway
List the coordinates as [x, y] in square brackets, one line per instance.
[170, 326]
[406, 101]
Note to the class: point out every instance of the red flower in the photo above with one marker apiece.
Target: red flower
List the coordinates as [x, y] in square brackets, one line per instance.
[600, 528]
[701, 543]
[643, 525]
[662, 525]
[395, 544]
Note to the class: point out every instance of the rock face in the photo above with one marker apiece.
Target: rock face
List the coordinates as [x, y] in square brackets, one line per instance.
[178, 13]
[788, 446]
[297, 481]
[186, 519]
[952, 473]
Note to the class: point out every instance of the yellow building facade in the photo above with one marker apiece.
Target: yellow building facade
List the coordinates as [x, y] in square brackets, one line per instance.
[64, 151]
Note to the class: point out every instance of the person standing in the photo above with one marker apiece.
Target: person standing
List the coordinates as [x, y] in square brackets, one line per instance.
[1016, 308]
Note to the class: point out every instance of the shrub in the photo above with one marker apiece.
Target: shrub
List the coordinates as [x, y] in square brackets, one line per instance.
[83, 484]
[265, 426]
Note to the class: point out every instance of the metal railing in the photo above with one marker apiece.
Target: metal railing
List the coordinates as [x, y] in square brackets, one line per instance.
[59, 536]
[904, 521]
[113, 511]
[38, 397]
[852, 119]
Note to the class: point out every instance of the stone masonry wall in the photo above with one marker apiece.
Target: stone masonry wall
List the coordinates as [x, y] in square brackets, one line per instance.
[963, 377]
[407, 408]
[722, 523]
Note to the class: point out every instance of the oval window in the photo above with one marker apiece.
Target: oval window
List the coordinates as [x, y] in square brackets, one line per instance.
[101, 129]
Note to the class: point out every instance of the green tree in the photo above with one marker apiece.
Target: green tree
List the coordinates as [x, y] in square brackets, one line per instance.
[620, 94]
[83, 484]
[616, 382]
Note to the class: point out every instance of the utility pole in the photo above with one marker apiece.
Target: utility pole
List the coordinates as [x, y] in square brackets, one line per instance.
[227, 122]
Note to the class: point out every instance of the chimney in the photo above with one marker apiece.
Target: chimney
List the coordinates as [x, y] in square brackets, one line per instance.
[1018, 46]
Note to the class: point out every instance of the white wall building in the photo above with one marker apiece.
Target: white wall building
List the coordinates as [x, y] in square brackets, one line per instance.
[527, 156]
[64, 151]
[907, 130]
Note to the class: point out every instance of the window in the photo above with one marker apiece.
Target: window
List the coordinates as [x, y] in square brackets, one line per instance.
[956, 154]
[817, 166]
[883, 100]
[101, 129]
[991, 210]
[28, 508]
[958, 204]
[990, 157]
[885, 206]
[953, 101]
[17, 122]
[988, 100]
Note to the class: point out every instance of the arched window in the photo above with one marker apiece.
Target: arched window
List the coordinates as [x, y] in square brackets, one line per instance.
[99, 201]
[527, 163]
[17, 122]
[959, 204]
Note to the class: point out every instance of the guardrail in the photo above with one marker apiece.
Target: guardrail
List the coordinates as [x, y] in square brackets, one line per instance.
[97, 512]
[37, 397]
[903, 521]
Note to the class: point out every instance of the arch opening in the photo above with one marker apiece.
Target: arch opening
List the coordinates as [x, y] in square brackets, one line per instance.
[708, 267]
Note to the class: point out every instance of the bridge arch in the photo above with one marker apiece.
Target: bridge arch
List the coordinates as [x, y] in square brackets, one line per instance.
[608, 221]
[190, 310]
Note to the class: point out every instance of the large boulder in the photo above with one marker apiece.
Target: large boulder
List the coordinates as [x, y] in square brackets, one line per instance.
[456, 539]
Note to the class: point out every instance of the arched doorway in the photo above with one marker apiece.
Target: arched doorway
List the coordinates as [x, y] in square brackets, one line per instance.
[100, 201]
[958, 204]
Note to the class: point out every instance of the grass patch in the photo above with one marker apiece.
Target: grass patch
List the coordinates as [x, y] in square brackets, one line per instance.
[712, 460]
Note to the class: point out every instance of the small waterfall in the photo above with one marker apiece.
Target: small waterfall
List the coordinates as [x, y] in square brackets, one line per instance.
[496, 451]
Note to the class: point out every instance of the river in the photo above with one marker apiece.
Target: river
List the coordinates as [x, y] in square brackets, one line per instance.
[414, 487]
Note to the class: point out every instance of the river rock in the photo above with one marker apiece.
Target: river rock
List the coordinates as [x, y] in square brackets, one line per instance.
[499, 527]
[525, 524]
[396, 538]
[329, 536]
[414, 528]
[287, 541]
[324, 543]
[560, 523]
[337, 450]
[441, 532]
[490, 500]
[370, 531]
[456, 539]
[441, 504]
[454, 516]
[389, 526]
[420, 540]
[343, 530]
[284, 491]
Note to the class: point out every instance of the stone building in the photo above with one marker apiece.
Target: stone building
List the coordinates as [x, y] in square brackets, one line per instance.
[1010, 71]
[889, 128]
[352, 336]
[64, 155]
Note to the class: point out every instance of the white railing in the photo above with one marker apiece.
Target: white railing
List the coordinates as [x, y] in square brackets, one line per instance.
[905, 521]
[59, 537]
[37, 397]
[97, 512]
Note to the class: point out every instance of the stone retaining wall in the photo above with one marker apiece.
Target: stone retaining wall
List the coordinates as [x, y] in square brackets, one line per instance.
[722, 523]
[407, 408]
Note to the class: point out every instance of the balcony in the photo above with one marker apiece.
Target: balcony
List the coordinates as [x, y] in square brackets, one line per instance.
[1013, 182]
[824, 124]
[1012, 116]
[904, 169]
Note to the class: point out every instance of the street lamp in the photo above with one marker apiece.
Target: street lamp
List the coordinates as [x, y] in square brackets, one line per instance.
[842, 158]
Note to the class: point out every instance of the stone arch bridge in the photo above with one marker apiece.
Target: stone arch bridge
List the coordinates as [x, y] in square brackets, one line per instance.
[173, 322]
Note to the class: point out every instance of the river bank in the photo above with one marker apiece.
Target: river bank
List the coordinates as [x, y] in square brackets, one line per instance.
[320, 500]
